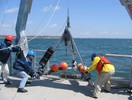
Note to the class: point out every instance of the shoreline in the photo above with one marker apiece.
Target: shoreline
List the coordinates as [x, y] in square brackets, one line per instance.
[3, 36]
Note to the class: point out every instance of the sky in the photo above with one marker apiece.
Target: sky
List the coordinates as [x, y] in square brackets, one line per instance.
[88, 18]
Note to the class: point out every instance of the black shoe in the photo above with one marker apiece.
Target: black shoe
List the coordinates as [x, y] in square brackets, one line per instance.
[22, 90]
[129, 91]
[8, 82]
[94, 96]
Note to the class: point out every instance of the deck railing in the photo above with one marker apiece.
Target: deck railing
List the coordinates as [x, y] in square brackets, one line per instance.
[123, 67]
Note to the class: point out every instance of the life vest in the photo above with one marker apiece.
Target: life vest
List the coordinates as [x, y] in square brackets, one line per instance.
[103, 60]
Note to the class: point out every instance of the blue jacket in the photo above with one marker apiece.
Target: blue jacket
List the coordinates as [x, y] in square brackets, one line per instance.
[5, 51]
[24, 64]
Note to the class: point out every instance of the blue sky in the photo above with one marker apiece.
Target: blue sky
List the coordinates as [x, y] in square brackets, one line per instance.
[88, 18]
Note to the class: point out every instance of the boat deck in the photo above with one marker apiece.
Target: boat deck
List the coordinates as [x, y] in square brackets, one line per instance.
[55, 88]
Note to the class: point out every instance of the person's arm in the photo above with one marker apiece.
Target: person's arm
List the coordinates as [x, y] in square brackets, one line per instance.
[29, 69]
[25, 66]
[94, 64]
[4, 49]
[16, 49]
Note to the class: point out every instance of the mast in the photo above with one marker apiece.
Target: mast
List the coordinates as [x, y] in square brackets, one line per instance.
[24, 10]
[128, 6]
[68, 19]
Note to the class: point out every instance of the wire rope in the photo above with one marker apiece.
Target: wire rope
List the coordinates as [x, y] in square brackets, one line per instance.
[41, 22]
[60, 29]
[58, 1]
[4, 14]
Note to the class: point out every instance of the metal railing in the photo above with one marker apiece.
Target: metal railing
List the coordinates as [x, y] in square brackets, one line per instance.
[123, 68]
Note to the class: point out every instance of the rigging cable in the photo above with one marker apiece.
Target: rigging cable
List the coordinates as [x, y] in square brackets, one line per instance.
[4, 14]
[60, 29]
[58, 1]
[43, 19]
[47, 22]
[66, 21]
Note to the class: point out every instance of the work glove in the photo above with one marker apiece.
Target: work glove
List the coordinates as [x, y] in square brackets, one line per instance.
[86, 76]
[10, 47]
[36, 76]
[16, 48]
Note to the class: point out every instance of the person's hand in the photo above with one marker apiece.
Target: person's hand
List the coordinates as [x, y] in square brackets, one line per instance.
[16, 48]
[10, 47]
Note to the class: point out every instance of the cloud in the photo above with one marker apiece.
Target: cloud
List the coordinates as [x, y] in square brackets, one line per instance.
[116, 33]
[11, 10]
[83, 34]
[50, 7]
[7, 29]
[104, 32]
[6, 26]
[108, 33]
[112, 34]
[53, 25]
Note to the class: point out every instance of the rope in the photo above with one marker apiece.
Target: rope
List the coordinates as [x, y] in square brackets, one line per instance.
[4, 14]
[47, 22]
[41, 22]
[60, 29]
[58, 1]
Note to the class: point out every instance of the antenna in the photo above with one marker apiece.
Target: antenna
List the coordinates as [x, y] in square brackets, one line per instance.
[68, 18]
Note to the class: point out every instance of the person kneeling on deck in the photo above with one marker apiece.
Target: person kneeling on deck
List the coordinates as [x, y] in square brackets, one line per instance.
[5, 51]
[23, 67]
[105, 71]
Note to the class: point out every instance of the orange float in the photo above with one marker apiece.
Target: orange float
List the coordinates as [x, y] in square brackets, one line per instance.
[63, 66]
[54, 67]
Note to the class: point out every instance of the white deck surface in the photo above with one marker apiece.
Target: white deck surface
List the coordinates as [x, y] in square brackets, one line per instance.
[53, 88]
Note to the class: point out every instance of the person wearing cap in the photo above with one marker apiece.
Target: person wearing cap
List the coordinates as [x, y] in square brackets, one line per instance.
[5, 50]
[23, 69]
[105, 71]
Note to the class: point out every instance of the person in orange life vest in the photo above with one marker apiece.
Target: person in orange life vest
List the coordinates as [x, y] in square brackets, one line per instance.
[105, 70]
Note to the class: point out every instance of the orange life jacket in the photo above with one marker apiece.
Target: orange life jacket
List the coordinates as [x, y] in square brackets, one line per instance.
[103, 60]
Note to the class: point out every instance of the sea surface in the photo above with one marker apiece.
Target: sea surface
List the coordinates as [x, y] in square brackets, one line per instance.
[85, 47]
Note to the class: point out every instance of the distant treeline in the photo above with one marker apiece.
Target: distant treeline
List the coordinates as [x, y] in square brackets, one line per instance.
[3, 36]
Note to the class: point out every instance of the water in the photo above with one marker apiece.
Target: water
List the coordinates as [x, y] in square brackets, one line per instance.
[86, 47]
